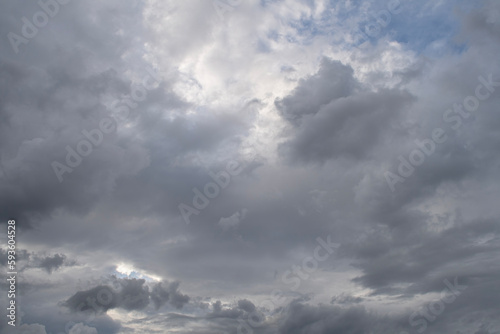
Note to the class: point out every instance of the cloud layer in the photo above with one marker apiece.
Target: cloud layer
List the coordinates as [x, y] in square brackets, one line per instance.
[366, 193]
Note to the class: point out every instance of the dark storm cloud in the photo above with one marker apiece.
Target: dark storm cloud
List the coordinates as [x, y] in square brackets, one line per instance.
[333, 116]
[133, 294]
[246, 305]
[219, 312]
[332, 82]
[51, 263]
[128, 294]
[86, 300]
[26, 260]
[46, 106]
[423, 264]
[160, 295]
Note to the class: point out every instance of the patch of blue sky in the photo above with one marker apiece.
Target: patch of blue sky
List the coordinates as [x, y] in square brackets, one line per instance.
[133, 274]
[307, 28]
[422, 26]
[429, 28]
[426, 27]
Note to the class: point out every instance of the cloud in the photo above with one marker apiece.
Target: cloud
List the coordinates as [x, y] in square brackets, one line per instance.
[246, 305]
[51, 263]
[344, 120]
[326, 121]
[32, 260]
[332, 82]
[302, 318]
[232, 221]
[129, 294]
[346, 299]
[82, 329]
[160, 296]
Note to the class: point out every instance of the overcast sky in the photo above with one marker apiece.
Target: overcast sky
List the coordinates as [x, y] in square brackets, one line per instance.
[251, 166]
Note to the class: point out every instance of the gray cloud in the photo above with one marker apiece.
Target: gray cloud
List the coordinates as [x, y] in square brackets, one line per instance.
[160, 295]
[346, 299]
[26, 260]
[342, 121]
[128, 294]
[332, 82]
[246, 305]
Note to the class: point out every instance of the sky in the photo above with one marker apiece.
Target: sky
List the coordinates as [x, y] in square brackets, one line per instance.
[251, 166]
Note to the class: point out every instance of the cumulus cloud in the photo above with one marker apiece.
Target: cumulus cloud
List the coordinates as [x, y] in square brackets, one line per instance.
[342, 121]
[128, 294]
[246, 305]
[49, 263]
[161, 295]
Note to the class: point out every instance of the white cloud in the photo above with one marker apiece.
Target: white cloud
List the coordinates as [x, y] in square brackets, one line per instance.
[233, 221]
[82, 329]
